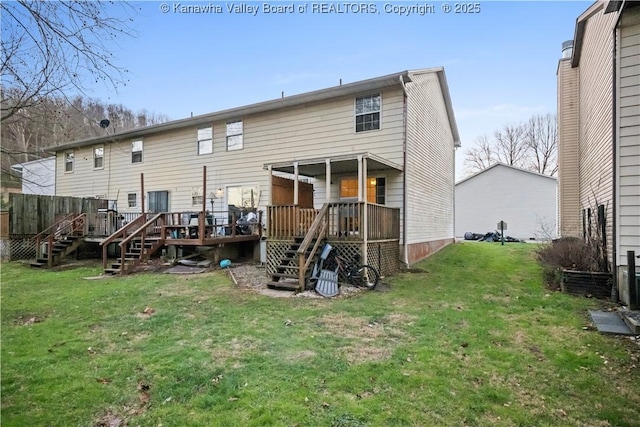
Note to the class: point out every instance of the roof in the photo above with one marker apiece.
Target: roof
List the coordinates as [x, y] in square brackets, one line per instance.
[506, 166]
[376, 83]
[20, 166]
[609, 6]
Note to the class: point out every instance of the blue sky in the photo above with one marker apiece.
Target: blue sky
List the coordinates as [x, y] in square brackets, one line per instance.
[500, 62]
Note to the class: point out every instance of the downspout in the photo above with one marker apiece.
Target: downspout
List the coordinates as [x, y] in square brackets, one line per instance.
[614, 151]
[405, 245]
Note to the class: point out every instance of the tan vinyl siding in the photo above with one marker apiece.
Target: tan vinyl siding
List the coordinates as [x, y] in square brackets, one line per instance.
[430, 162]
[568, 170]
[170, 160]
[629, 136]
[596, 117]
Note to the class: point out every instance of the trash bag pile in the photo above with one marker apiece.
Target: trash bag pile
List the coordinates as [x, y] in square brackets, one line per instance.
[492, 236]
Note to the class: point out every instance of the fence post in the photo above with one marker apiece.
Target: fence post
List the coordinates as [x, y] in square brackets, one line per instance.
[631, 280]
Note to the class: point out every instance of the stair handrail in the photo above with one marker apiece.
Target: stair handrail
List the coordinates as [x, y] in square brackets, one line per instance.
[139, 231]
[121, 232]
[318, 227]
[70, 220]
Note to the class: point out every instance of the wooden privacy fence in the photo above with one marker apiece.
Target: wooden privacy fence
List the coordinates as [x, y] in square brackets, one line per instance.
[30, 214]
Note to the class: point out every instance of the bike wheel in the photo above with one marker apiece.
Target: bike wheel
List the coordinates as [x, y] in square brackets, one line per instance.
[365, 277]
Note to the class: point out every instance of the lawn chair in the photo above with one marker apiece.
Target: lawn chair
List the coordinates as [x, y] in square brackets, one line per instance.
[323, 279]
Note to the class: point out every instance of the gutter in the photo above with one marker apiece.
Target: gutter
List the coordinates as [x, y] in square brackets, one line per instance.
[405, 244]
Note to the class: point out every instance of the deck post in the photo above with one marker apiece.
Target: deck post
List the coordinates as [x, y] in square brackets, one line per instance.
[270, 169]
[296, 185]
[203, 216]
[360, 198]
[327, 193]
[364, 229]
[142, 193]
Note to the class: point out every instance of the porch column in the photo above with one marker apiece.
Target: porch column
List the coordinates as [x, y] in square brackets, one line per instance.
[295, 183]
[365, 222]
[327, 193]
[270, 201]
[360, 198]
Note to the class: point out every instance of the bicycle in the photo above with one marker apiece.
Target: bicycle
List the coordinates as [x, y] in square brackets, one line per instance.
[360, 276]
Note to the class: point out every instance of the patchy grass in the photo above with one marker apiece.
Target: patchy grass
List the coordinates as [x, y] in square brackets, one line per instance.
[471, 338]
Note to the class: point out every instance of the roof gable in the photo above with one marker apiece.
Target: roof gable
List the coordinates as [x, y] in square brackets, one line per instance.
[504, 165]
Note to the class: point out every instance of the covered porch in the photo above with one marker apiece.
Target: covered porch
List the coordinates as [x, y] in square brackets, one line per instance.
[350, 219]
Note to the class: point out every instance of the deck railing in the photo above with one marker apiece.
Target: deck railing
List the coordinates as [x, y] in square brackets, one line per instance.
[345, 221]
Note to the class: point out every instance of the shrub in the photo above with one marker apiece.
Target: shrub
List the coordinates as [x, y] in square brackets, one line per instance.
[569, 253]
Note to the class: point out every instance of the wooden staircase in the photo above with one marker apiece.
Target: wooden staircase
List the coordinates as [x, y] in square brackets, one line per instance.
[287, 275]
[137, 252]
[136, 247]
[293, 272]
[60, 240]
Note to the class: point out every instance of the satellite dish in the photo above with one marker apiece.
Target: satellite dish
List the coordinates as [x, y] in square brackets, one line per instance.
[104, 123]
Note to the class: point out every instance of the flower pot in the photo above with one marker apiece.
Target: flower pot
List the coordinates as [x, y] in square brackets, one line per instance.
[587, 283]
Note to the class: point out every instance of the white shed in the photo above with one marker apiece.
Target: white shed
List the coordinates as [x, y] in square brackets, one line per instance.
[526, 201]
[38, 176]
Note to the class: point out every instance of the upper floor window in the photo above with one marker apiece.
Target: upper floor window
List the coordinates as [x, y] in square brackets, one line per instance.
[98, 157]
[368, 112]
[234, 135]
[136, 151]
[68, 161]
[205, 140]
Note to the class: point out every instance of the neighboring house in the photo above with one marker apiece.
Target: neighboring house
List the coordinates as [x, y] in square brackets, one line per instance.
[380, 151]
[38, 176]
[525, 200]
[599, 130]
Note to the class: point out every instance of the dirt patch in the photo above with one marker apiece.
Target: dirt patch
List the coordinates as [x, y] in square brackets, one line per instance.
[370, 340]
[253, 276]
[28, 319]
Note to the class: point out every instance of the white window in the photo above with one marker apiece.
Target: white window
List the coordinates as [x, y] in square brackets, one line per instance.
[376, 189]
[98, 157]
[205, 140]
[243, 197]
[234, 135]
[136, 151]
[68, 161]
[368, 112]
[196, 196]
[132, 200]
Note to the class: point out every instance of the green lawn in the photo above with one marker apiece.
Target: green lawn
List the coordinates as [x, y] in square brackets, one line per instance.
[473, 339]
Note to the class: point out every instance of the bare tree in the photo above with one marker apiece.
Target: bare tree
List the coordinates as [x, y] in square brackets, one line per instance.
[510, 145]
[542, 140]
[531, 145]
[51, 48]
[480, 156]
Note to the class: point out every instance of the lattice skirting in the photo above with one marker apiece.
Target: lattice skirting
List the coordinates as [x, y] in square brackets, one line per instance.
[275, 253]
[384, 255]
[19, 248]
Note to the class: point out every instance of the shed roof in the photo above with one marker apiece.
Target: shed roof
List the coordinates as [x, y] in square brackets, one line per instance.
[506, 166]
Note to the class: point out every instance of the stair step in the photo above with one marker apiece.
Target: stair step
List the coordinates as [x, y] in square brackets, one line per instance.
[292, 286]
[37, 264]
[42, 260]
[284, 275]
[111, 271]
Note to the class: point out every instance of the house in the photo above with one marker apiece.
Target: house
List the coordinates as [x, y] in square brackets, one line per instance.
[38, 176]
[378, 153]
[599, 131]
[525, 200]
